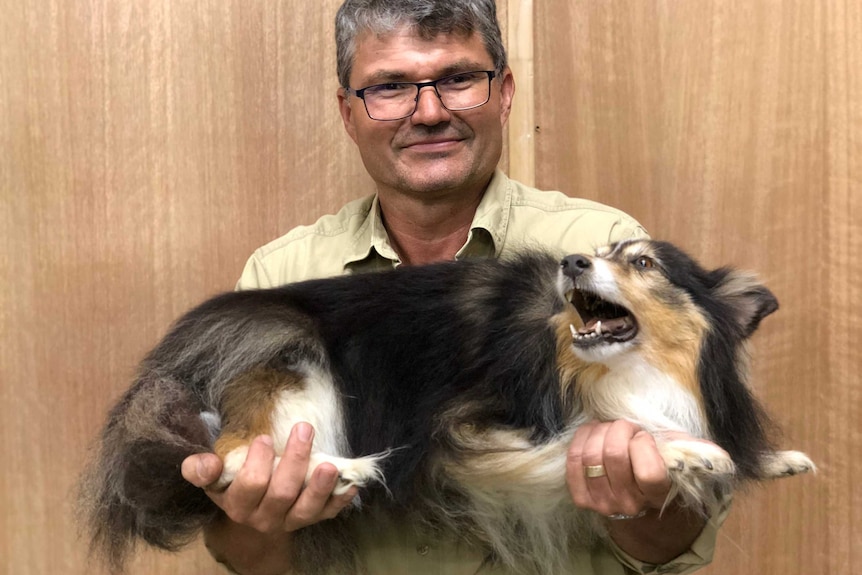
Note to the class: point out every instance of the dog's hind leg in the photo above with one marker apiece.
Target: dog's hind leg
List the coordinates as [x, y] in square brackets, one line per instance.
[358, 472]
[271, 402]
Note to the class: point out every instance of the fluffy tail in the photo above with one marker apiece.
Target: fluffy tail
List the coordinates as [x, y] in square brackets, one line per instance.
[133, 488]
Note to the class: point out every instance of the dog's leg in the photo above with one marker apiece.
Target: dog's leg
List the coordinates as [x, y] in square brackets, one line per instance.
[700, 472]
[270, 402]
[785, 464]
[358, 472]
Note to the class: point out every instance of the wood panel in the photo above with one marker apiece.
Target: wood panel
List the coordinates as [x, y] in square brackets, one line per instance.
[735, 129]
[148, 147]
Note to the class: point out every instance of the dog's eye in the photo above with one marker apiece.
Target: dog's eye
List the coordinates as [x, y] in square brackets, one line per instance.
[645, 262]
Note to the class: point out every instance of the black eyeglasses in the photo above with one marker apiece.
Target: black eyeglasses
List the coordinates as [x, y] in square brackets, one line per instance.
[398, 100]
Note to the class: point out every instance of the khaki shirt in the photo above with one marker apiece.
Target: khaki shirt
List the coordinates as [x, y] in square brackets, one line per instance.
[511, 216]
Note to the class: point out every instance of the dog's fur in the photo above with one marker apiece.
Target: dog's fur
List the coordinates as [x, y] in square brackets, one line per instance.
[450, 393]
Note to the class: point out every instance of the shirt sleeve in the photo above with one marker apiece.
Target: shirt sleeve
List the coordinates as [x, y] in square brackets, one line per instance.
[698, 555]
[254, 275]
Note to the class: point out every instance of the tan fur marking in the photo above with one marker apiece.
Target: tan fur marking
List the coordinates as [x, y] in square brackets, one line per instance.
[247, 405]
[573, 370]
[672, 333]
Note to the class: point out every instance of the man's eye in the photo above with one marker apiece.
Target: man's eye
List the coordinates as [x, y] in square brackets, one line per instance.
[387, 90]
[459, 80]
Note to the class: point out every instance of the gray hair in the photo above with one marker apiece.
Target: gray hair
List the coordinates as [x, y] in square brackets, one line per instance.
[428, 18]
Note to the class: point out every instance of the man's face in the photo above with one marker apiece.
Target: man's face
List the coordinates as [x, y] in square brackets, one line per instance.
[435, 151]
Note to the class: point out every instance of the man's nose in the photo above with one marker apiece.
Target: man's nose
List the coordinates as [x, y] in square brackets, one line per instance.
[429, 109]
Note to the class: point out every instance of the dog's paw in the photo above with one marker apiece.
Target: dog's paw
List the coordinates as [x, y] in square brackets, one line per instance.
[357, 472]
[696, 457]
[232, 463]
[786, 464]
[699, 472]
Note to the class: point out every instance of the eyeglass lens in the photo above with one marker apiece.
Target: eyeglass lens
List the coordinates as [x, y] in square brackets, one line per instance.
[396, 100]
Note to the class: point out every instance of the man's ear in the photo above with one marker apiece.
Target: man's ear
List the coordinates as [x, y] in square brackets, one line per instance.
[507, 92]
[346, 111]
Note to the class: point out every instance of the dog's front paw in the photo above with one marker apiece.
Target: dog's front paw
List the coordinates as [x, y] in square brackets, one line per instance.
[699, 471]
[786, 464]
[696, 457]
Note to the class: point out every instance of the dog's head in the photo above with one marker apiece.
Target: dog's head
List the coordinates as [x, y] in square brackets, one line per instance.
[649, 295]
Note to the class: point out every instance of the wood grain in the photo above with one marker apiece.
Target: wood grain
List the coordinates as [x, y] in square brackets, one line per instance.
[148, 147]
[735, 129]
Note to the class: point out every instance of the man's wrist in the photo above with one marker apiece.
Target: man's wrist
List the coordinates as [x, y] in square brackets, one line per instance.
[658, 536]
[246, 551]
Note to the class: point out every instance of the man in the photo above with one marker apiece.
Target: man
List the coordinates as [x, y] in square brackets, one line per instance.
[425, 95]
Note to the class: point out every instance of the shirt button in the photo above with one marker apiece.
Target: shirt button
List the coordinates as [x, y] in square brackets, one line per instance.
[422, 550]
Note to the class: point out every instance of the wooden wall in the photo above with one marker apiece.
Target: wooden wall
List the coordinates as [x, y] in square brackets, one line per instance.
[146, 148]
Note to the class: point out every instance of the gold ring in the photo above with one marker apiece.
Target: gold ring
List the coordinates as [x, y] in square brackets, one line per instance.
[594, 471]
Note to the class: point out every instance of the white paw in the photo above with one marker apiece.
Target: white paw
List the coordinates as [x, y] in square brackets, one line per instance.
[696, 457]
[357, 472]
[699, 471]
[233, 462]
[787, 463]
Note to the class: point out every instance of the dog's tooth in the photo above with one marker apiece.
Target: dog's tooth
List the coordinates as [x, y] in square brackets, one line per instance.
[598, 328]
[573, 330]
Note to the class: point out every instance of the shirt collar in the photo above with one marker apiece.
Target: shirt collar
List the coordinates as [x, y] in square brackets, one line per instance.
[371, 249]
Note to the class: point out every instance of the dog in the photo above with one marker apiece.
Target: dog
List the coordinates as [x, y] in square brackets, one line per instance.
[448, 393]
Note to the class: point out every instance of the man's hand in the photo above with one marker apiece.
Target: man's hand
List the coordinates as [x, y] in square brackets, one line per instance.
[632, 482]
[635, 478]
[264, 505]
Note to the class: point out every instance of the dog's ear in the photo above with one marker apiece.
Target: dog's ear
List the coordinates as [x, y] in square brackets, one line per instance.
[747, 299]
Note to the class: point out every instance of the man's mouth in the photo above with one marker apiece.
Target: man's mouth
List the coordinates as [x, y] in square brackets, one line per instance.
[435, 145]
[604, 322]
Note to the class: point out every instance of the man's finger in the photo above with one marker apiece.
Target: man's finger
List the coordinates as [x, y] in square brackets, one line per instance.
[248, 488]
[288, 479]
[309, 506]
[650, 470]
[201, 469]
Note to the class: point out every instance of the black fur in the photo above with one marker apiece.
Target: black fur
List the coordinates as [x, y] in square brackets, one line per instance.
[737, 422]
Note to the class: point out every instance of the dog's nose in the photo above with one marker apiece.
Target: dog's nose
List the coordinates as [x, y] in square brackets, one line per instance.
[575, 265]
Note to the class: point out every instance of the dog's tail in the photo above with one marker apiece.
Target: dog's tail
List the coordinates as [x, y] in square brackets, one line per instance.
[133, 488]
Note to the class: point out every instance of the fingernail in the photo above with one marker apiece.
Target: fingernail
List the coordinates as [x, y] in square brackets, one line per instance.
[203, 468]
[304, 431]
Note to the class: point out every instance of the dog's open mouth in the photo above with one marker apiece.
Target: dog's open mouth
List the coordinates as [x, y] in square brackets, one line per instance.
[604, 321]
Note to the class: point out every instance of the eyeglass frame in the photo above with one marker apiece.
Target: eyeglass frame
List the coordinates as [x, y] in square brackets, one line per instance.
[360, 93]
